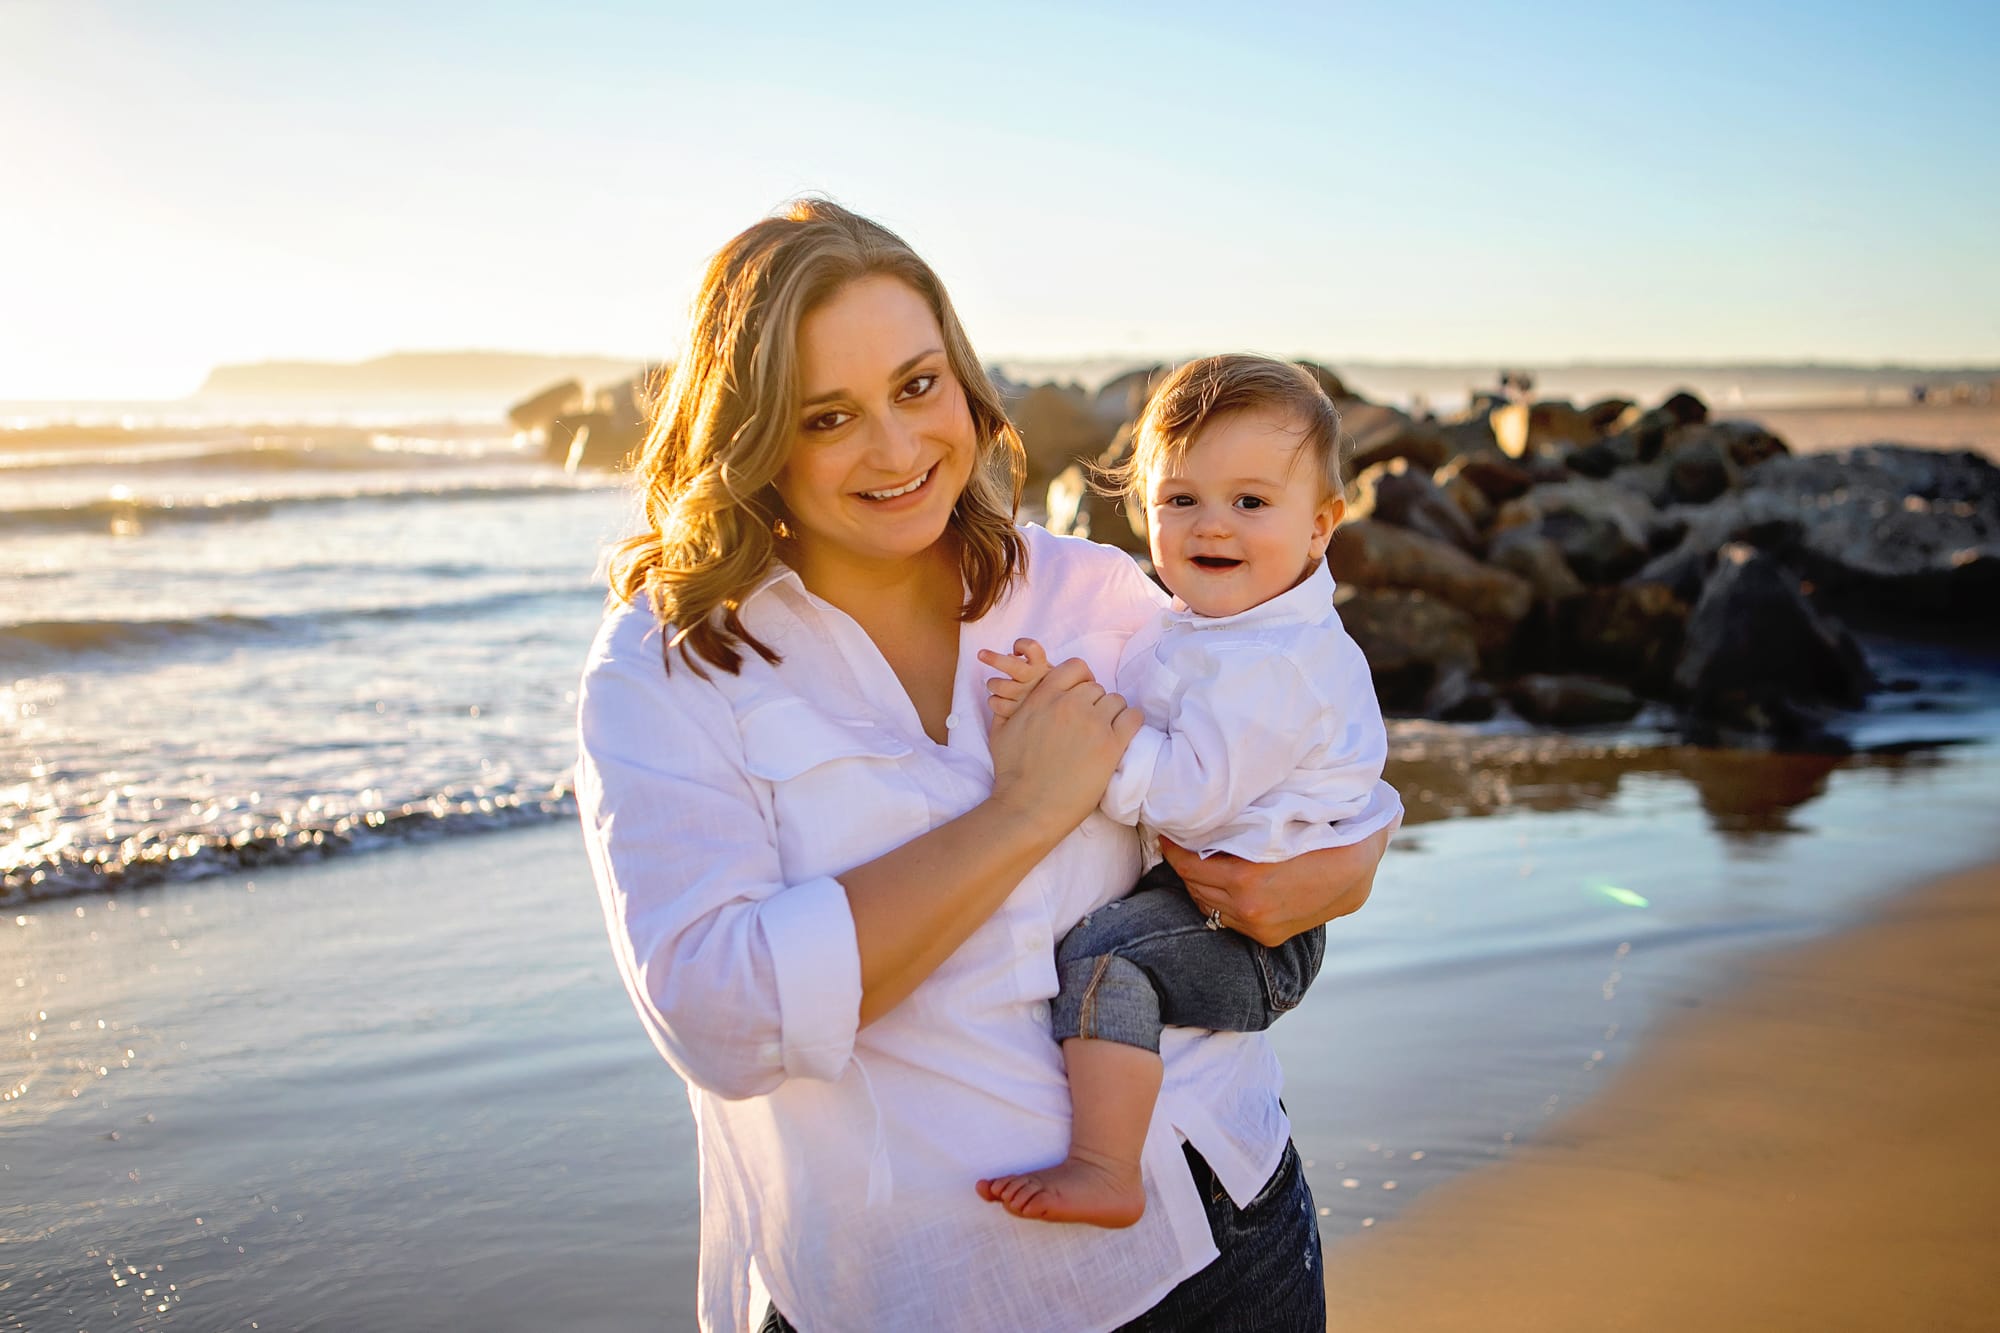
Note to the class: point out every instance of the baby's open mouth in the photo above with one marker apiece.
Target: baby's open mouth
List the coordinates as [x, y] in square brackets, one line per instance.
[1215, 562]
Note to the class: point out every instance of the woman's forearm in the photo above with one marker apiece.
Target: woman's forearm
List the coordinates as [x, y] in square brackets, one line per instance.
[913, 906]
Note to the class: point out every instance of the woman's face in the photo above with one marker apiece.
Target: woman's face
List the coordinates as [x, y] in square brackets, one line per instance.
[884, 441]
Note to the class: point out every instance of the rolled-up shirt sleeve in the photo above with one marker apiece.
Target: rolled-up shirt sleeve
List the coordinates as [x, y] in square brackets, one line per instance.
[1233, 739]
[741, 979]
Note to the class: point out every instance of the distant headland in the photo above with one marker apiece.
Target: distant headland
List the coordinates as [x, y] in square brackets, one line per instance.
[471, 374]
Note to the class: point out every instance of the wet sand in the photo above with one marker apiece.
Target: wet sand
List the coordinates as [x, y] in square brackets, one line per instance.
[1814, 1149]
[1813, 430]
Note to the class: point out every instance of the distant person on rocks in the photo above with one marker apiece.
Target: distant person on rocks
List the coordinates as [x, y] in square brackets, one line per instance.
[834, 897]
[1263, 740]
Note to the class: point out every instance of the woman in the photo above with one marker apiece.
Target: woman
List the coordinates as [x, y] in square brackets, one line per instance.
[833, 901]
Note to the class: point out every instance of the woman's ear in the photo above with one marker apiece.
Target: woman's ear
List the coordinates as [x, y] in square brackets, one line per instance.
[1325, 519]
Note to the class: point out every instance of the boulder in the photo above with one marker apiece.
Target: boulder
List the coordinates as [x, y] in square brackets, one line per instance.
[1421, 652]
[1376, 434]
[1633, 632]
[1760, 658]
[1329, 383]
[1604, 530]
[1603, 415]
[1529, 554]
[1745, 442]
[1889, 531]
[1371, 554]
[1394, 492]
[1555, 422]
[1060, 424]
[539, 411]
[1471, 501]
[1075, 509]
[1497, 479]
[1698, 468]
[1124, 397]
[1510, 429]
[1570, 701]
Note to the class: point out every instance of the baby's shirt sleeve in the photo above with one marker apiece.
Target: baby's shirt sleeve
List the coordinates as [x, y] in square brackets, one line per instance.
[1235, 736]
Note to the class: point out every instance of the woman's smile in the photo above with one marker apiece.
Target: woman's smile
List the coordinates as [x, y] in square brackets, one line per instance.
[904, 491]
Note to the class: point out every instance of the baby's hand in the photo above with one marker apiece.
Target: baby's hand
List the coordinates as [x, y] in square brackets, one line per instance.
[1026, 667]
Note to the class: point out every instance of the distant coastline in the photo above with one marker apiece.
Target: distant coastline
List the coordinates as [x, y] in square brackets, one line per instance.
[499, 375]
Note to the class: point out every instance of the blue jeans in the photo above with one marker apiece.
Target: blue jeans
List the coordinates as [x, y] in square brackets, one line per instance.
[1267, 1278]
[1150, 959]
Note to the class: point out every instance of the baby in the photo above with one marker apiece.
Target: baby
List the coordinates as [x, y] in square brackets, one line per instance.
[1264, 740]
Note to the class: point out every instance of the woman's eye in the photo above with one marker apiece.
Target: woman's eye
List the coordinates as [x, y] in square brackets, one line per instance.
[918, 387]
[827, 421]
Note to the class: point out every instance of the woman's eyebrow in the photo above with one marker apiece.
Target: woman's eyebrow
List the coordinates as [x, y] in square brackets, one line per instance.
[831, 394]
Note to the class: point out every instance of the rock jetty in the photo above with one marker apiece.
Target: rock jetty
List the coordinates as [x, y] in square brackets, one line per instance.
[1571, 562]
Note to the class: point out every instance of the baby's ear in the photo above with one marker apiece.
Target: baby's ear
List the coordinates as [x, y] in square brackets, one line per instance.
[1325, 519]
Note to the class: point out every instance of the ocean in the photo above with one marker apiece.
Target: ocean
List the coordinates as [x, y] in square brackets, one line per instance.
[247, 650]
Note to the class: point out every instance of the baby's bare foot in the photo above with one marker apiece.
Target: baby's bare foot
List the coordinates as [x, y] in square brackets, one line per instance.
[1100, 1192]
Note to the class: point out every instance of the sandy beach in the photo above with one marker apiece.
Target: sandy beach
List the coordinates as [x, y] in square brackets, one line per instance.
[1814, 1149]
[1814, 430]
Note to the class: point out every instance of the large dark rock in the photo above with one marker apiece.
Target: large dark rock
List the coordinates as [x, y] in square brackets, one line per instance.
[1572, 701]
[1421, 652]
[1376, 434]
[1370, 554]
[1698, 469]
[1604, 530]
[1060, 424]
[1527, 552]
[1633, 632]
[1123, 397]
[1497, 478]
[537, 411]
[1329, 383]
[1760, 658]
[1397, 493]
[1887, 531]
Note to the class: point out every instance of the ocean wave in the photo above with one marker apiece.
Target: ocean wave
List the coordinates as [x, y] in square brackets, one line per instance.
[122, 516]
[138, 862]
[34, 643]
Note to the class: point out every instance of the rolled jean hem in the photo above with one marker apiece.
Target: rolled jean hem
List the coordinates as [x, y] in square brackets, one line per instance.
[1107, 998]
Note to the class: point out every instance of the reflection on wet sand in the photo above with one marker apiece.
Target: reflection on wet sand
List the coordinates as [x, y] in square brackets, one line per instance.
[1748, 795]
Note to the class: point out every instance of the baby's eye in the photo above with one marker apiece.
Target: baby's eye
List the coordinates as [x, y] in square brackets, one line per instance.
[918, 387]
[1176, 501]
[1251, 502]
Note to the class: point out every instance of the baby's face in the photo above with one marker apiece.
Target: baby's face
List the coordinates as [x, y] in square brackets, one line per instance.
[1242, 516]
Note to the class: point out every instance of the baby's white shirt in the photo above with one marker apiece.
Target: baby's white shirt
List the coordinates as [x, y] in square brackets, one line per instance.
[1262, 738]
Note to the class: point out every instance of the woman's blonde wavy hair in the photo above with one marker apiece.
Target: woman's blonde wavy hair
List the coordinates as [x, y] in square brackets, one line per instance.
[724, 425]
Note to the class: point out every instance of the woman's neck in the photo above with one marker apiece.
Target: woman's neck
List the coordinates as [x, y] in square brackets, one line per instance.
[874, 591]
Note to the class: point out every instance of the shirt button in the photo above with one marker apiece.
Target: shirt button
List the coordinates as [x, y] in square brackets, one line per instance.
[952, 720]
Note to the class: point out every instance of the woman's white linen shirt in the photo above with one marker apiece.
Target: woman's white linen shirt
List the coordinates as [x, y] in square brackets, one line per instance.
[838, 1163]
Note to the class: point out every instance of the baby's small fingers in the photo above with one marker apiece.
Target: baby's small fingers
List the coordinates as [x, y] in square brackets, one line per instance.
[1003, 708]
[1003, 688]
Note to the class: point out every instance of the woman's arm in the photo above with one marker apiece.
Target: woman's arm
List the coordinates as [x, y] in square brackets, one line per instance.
[913, 906]
[742, 978]
[1271, 902]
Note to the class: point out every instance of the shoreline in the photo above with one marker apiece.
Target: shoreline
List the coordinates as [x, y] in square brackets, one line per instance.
[1811, 1149]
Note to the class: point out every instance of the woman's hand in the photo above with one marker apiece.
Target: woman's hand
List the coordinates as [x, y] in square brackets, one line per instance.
[1053, 757]
[1272, 902]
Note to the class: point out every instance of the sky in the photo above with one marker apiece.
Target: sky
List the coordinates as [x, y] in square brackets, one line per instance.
[208, 181]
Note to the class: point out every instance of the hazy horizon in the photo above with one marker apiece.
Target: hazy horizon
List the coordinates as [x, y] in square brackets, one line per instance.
[212, 183]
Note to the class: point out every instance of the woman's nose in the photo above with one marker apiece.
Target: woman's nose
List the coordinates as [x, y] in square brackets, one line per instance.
[896, 444]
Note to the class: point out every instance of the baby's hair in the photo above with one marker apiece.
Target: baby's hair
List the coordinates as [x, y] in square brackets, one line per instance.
[1200, 391]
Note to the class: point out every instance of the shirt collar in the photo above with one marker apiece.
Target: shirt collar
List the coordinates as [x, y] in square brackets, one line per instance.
[1306, 604]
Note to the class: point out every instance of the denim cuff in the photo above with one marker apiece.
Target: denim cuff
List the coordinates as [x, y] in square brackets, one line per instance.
[1108, 998]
